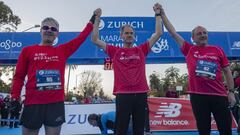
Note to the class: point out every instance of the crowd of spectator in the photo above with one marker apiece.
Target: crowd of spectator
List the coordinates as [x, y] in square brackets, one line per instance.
[10, 112]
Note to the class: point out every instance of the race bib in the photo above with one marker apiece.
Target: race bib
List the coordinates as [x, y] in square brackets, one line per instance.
[206, 69]
[48, 80]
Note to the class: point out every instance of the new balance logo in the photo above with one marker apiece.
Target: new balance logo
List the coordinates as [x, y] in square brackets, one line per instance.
[168, 110]
[59, 119]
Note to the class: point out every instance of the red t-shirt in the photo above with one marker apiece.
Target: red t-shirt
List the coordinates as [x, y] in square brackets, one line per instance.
[129, 68]
[45, 67]
[204, 68]
[237, 81]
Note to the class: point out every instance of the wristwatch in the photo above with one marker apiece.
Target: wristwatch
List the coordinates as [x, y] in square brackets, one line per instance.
[232, 90]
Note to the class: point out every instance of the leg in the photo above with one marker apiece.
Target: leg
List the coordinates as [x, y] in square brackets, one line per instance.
[52, 130]
[16, 118]
[222, 115]
[147, 125]
[27, 131]
[4, 116]
[54, 118]
[202, 113]
[11, 118]
[123, 112]
[139, 113]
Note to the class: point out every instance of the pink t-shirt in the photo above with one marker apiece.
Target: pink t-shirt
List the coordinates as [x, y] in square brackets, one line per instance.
[204, 68]
[129, 68]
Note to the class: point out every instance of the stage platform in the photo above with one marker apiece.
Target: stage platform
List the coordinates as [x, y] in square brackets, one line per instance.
[18, 131]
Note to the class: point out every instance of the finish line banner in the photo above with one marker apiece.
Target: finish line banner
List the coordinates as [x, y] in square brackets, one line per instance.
[164, 51]
[173, 114]
[166, 114]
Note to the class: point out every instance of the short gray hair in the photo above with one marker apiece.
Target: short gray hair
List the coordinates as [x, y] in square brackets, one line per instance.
[126, 25]
[50, 19]
[199, 26]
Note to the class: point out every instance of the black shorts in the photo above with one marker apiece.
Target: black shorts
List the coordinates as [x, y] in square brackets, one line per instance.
[33, 116]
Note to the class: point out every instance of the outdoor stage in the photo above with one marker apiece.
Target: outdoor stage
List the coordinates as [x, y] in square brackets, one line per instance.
[18, 131]
[167, 116]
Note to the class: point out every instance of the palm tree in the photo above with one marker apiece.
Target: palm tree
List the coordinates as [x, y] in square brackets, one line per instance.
[173, 74]
[171, 77]
[156, 85]
[70, 67]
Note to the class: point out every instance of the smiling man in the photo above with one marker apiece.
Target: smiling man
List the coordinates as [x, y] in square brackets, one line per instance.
[205, 84]
[130, 84]
[44, 65]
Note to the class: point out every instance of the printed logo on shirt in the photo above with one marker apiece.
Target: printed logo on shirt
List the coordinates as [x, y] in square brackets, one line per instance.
[131, 57]
[168, 110]
[206, 56]
[44, 56]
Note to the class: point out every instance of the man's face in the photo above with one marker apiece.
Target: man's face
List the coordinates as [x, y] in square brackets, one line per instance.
[200, 36]
[49, 31]
[93, 123]
[128, 35]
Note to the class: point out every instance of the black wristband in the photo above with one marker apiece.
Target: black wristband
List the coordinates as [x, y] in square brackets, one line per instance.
[158, 14]
[232, 90]
[93, 18]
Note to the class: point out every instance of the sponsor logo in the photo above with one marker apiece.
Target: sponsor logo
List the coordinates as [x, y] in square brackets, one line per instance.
[101, 25]
[168, 110]
[55, 41]
[76, 118]
[170, 122]
[197, 55]
[235, 45]
[8, 44]
[119, 24]
[160, 45]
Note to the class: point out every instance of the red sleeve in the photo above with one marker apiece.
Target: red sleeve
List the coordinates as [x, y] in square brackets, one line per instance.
[20, 73]
[111, 50]
[185, 48]
[70, 47]
[224, 59]
[145, 48]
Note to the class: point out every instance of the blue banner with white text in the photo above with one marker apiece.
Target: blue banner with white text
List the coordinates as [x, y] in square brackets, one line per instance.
[164, 51]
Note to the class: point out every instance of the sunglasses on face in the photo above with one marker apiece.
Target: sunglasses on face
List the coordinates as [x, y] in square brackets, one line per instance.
[51, 28]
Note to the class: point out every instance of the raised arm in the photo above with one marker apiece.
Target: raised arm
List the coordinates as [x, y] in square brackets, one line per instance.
[95, 35]
[171, 29]
[158, 25]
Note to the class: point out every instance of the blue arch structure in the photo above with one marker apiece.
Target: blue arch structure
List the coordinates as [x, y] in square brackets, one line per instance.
[164, 51]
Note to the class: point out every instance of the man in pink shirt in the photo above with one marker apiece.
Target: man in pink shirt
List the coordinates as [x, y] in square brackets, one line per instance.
[205, 64]
[130, 84]
[44, 65]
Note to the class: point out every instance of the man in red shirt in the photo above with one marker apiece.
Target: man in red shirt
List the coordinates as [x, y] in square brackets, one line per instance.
[44, 65]
[207, 92]
[130, 84]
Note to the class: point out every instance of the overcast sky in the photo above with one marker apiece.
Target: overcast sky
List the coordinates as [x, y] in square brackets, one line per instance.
[215, 15]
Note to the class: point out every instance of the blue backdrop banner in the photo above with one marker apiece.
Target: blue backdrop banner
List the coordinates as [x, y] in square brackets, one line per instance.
[164, 51]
